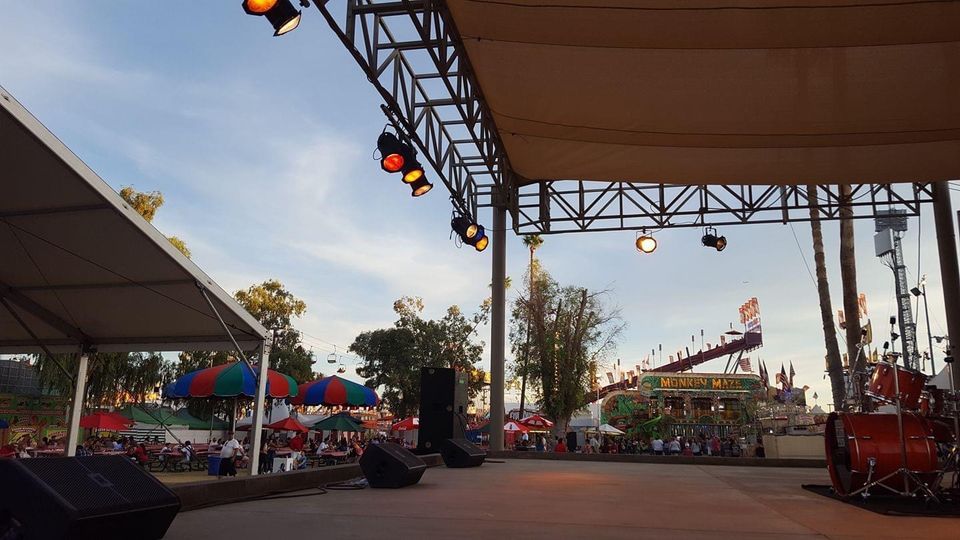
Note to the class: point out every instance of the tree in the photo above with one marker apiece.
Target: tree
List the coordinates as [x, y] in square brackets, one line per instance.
[533, 243]
[146, 203]
[571, 330]
[834, 365]
[275, 308]
[112, 378]
[848, 280]
[392, 357]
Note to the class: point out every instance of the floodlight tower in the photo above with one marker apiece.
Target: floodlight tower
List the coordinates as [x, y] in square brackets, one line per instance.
[889, 226]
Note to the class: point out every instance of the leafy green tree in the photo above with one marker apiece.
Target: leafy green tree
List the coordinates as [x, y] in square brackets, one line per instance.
[572, 329]
[276, 307]
[112, 378]
[392, 357]
[146, 203]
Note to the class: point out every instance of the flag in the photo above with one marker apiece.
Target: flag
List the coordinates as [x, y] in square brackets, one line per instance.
[745, 364]
[763, 374]
[782, 377]
[815, 396]
[792, 373]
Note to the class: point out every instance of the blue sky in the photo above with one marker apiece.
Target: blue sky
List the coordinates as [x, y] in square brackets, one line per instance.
[263, 148]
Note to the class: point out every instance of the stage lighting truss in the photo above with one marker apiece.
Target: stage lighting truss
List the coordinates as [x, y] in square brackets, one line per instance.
[645, 242]
[469, 232]
[712, 240]
[280, 13]
[412, 54]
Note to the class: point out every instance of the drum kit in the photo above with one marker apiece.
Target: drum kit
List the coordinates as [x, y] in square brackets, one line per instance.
[909, 451]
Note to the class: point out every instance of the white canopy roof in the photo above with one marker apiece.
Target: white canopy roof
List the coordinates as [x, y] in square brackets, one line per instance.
[78, 267]
[720, 91]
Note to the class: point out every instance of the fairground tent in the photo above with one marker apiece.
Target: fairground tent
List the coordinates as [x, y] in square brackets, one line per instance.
[82, 271]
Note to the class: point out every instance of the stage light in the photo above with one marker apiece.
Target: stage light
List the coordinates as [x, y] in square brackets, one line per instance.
[482, 243]
[470, 232]
[420, 187]
[281, 14]
[646, 243]
[710, 239]
[412, 171]
[393, 153]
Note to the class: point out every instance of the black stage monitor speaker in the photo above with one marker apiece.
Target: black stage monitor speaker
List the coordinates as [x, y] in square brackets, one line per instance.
[459, 453]
[389, 465]
[82, 497]
[443, 408]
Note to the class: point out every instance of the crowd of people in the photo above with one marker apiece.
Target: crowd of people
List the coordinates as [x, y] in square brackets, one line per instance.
[702, 445]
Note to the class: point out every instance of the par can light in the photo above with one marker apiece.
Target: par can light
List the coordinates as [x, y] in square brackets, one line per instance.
[420, 187]
[712, 240]
[646, 243]
[281, 14]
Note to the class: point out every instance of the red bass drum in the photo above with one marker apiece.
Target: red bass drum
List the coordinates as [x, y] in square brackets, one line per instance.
[852, 439]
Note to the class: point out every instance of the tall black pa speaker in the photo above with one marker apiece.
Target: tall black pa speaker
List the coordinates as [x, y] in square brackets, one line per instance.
[443, 408]
[389, 465]
[460, 453]
[82, 497]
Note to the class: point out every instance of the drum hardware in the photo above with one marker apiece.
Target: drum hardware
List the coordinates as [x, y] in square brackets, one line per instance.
[906, 475]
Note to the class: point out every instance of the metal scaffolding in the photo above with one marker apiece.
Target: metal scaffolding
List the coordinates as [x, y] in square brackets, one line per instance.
[411, 52]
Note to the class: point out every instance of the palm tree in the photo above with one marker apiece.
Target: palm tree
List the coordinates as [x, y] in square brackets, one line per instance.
[834, 366]
[533, 242]
[848, 281]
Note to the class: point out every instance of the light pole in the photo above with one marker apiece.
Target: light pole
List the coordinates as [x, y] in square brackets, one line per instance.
[918, 292]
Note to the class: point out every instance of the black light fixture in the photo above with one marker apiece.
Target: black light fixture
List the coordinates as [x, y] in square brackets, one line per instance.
[420, 187]
[916, 291]
[646, 243]
[398, 156]
[470, 232]
[393, 153]
[281, 14]
[712, 240]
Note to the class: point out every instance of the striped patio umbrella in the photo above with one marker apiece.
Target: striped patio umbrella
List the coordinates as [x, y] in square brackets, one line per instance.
[229, 380]
[335, 391]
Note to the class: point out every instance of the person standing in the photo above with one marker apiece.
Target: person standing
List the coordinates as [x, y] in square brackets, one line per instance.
[658, 446]
[228, 454]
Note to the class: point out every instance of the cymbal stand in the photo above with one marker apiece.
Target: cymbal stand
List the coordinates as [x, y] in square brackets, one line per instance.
[952, 461]
[907, 475]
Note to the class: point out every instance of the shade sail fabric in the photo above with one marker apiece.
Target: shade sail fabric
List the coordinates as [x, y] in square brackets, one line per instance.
[720, 91]
[80, 267]
[336, 391]
[228, 380]
[288, 424]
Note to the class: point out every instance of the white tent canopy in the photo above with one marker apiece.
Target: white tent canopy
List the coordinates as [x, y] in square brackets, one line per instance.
[82, 268]
[81, 271]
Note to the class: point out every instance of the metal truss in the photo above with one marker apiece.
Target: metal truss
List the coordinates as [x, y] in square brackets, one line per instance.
[408, 51]
[571, 206]
[411, 52]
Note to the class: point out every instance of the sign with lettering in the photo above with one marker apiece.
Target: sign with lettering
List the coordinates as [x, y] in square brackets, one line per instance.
[696, 382]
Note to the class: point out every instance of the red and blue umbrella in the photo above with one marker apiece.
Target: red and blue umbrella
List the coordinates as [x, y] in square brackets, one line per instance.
[334, 391]
[229, 380]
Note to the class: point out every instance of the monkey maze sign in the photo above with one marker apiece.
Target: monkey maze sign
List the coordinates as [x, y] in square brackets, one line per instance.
[705, 382]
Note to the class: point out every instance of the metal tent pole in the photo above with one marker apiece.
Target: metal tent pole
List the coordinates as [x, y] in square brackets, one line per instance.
[257, 426]
[76, 410]
[949, 269]
[498, 326]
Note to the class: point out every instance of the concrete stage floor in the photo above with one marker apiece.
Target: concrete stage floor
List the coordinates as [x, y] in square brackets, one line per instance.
[563, 499]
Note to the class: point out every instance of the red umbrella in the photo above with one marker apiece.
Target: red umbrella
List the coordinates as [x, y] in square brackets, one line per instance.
[288, 424]
[406, 424]
[536, 422]
[107, 421]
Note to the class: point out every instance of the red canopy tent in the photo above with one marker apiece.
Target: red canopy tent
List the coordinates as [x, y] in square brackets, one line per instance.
[407, 424]
[288, 424]
[106, 421]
